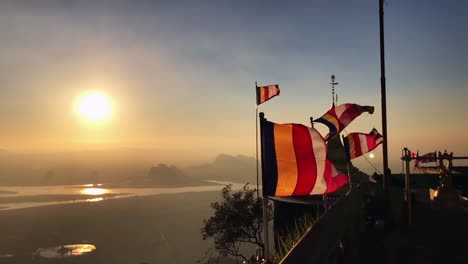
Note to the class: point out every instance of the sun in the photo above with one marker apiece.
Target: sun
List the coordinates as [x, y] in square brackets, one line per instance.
[94, 106]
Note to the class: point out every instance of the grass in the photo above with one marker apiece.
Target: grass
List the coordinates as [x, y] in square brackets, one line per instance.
[301, 227]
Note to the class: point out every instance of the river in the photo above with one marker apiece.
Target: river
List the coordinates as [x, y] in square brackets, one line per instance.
[31, 196]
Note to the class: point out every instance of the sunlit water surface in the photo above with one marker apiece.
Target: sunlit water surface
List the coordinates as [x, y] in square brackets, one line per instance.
[94, 193]
[65, 251]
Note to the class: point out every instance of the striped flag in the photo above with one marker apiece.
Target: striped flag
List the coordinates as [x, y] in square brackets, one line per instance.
[265, 93]
[428, 157]
[294, 160]
[339, 117]
[414, 155]
[358, 144]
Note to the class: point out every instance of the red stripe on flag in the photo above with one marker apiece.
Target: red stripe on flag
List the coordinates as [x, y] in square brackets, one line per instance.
[333, 178]
[305, 159]
[338, 181]
[370, 141]
[266, 94]
[352, 111]
[276, 89]
[357, 144]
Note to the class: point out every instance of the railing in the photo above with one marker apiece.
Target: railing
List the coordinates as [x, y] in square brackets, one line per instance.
[336, 236]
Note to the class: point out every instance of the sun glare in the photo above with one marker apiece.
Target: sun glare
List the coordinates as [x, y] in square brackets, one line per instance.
[94, 106]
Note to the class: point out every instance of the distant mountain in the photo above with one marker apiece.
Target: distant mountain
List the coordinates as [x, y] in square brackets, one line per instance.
[164, 175]
[238, 168]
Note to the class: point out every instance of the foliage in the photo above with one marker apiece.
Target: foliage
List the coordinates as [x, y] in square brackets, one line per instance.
[237, 220]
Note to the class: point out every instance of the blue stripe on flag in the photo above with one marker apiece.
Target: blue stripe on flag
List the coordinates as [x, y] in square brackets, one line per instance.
[269, 165]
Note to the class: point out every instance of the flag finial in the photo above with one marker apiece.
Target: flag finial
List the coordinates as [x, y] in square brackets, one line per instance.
[333, 83]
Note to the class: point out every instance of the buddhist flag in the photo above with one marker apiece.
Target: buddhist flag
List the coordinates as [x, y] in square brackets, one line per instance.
[428, 157]
[265, 93]
[358, 144]
[339, 117]
[414, 155]
[294, 160]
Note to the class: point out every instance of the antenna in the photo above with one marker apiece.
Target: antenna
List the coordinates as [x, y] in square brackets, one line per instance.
[333, 83]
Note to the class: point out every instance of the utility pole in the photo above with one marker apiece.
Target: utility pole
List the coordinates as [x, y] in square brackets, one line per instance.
[386, 174]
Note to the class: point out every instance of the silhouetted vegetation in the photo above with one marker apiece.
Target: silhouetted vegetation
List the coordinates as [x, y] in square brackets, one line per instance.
[237, 221]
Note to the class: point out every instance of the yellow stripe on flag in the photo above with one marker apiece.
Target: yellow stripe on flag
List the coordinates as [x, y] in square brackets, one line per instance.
[263, 94]
[286, 160]
[332, 120]
[352, 147]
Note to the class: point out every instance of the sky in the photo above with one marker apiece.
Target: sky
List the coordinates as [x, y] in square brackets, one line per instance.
[181, 75]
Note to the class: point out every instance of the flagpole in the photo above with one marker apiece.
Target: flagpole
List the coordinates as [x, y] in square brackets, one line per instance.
[386, 176]
[347, 164]
[256, 135]
[256, 147]
[407, 158]
[266, 255]
[266, 252]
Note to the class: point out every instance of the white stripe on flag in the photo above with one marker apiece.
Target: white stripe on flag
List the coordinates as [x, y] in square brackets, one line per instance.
[379, 140]
[272, 90]
[363, 142]
[320, 152]
[339, 110]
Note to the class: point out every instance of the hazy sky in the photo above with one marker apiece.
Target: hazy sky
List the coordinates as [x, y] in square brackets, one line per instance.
[181, 74]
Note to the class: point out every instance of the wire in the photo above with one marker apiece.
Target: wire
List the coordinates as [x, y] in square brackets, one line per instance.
[372, 165]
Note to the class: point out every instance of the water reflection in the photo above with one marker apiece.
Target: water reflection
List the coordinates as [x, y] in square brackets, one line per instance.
[57, 190]
[94, 191]
[92, 185]
[65, 251]
[97, 199]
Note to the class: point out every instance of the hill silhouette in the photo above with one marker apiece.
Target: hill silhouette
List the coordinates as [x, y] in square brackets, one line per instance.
[163, 175]
[225, 167]
[133, 167]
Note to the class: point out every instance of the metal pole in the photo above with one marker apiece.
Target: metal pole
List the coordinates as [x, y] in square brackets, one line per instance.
[266, 256]
[348, 162]
[386, 176]
[256, 135]
[409, 198]
[349, 175]
[333, 83]
[266, 252]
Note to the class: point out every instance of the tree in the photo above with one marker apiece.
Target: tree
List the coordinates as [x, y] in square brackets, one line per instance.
[237, 219]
